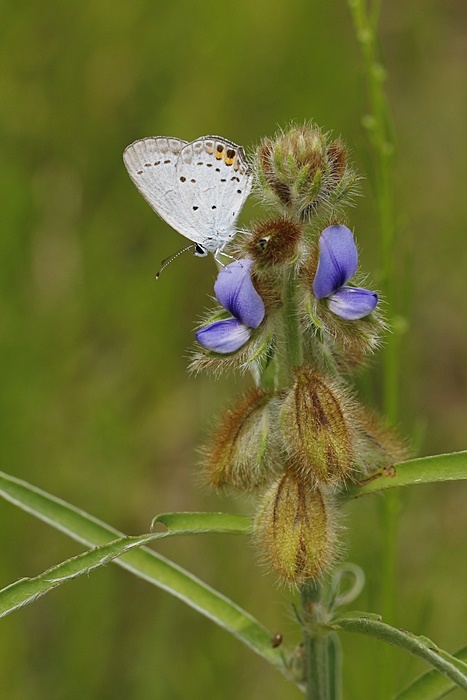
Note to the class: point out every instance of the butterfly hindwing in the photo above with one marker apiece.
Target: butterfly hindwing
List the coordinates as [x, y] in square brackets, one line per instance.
[214, 180]
[198, 188]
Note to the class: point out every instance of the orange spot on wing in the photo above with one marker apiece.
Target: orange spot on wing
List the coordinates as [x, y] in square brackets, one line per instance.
[229, 161]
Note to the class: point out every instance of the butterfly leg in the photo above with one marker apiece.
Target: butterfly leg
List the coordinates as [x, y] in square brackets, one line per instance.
[219, 262]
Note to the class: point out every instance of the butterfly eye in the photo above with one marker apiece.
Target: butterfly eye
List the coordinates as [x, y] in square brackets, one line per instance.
[262, 243]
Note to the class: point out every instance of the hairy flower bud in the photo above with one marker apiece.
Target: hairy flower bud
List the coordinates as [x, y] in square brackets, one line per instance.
[240, 454]
[379, 445]
[302, 170]
[315, 423]
[295, 530]
[274, 241]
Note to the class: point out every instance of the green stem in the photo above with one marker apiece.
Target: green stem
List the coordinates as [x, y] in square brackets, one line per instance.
[293, 350]
[378, 124]
[315, 645]
[335, 667]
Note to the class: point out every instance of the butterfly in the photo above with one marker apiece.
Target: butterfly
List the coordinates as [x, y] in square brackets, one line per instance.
[198, 188]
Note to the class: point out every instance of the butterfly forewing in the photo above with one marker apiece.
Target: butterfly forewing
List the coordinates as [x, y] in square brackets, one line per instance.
[214, 180]
[151, 164]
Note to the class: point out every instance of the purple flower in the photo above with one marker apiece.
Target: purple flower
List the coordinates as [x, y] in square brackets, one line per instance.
[234, 290]
[338, 260]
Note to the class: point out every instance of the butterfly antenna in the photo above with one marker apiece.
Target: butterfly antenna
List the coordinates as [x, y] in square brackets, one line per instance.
[172, 257]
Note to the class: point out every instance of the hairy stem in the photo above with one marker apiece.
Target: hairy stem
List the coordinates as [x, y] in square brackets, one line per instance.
[293, 351]
[315, 646]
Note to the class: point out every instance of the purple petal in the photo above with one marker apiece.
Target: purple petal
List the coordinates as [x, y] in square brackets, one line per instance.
[338, 260]
[223, 336]
[234, 290]
[352, 303]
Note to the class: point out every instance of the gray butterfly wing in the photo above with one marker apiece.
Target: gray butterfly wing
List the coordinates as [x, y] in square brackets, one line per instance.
[152, 165]
[214, 180]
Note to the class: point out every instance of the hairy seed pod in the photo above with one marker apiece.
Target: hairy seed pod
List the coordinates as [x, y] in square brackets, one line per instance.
[240, 454]
[274, 241]
[302, 169]
[296, 531]
[315, 424]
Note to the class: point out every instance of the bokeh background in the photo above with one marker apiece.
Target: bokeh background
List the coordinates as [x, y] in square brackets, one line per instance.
[95, 402]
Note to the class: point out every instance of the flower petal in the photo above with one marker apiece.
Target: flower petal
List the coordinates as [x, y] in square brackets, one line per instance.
[234, 290]
[223, 336]
[338, 260]
[352, 303]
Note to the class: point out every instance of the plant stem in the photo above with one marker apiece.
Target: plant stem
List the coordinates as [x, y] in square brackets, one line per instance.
[335, 667]
[293, 351]
[315, 645]
[378, 124]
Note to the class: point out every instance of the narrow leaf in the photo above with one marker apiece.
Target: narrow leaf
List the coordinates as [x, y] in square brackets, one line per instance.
[27, 590]
[425, 470]
[148, 565]
[421, 647]
[432, 685]
[204, 523]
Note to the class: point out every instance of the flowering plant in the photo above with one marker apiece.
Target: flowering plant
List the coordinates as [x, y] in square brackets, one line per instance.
[298, 443]
[300, 437]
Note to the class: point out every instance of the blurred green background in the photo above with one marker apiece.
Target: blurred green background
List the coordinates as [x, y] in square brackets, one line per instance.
[95, 402]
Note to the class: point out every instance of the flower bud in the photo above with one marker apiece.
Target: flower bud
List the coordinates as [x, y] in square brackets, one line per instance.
[315, 423]
[301, 170]
[295, 530]
[274, 241]
[379, 445]
[240, 453]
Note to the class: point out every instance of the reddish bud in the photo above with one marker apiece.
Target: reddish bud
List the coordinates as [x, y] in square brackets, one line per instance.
[274, 241]
[301, 170]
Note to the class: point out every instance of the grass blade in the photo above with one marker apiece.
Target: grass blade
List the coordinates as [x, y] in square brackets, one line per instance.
[148, 565]
[25, 591]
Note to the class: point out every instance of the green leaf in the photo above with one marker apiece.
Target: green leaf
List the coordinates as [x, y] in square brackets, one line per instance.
[204, 523]
[422, 647]
[27, 590]
[425, 470]
[149, 565]
[432, 685]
